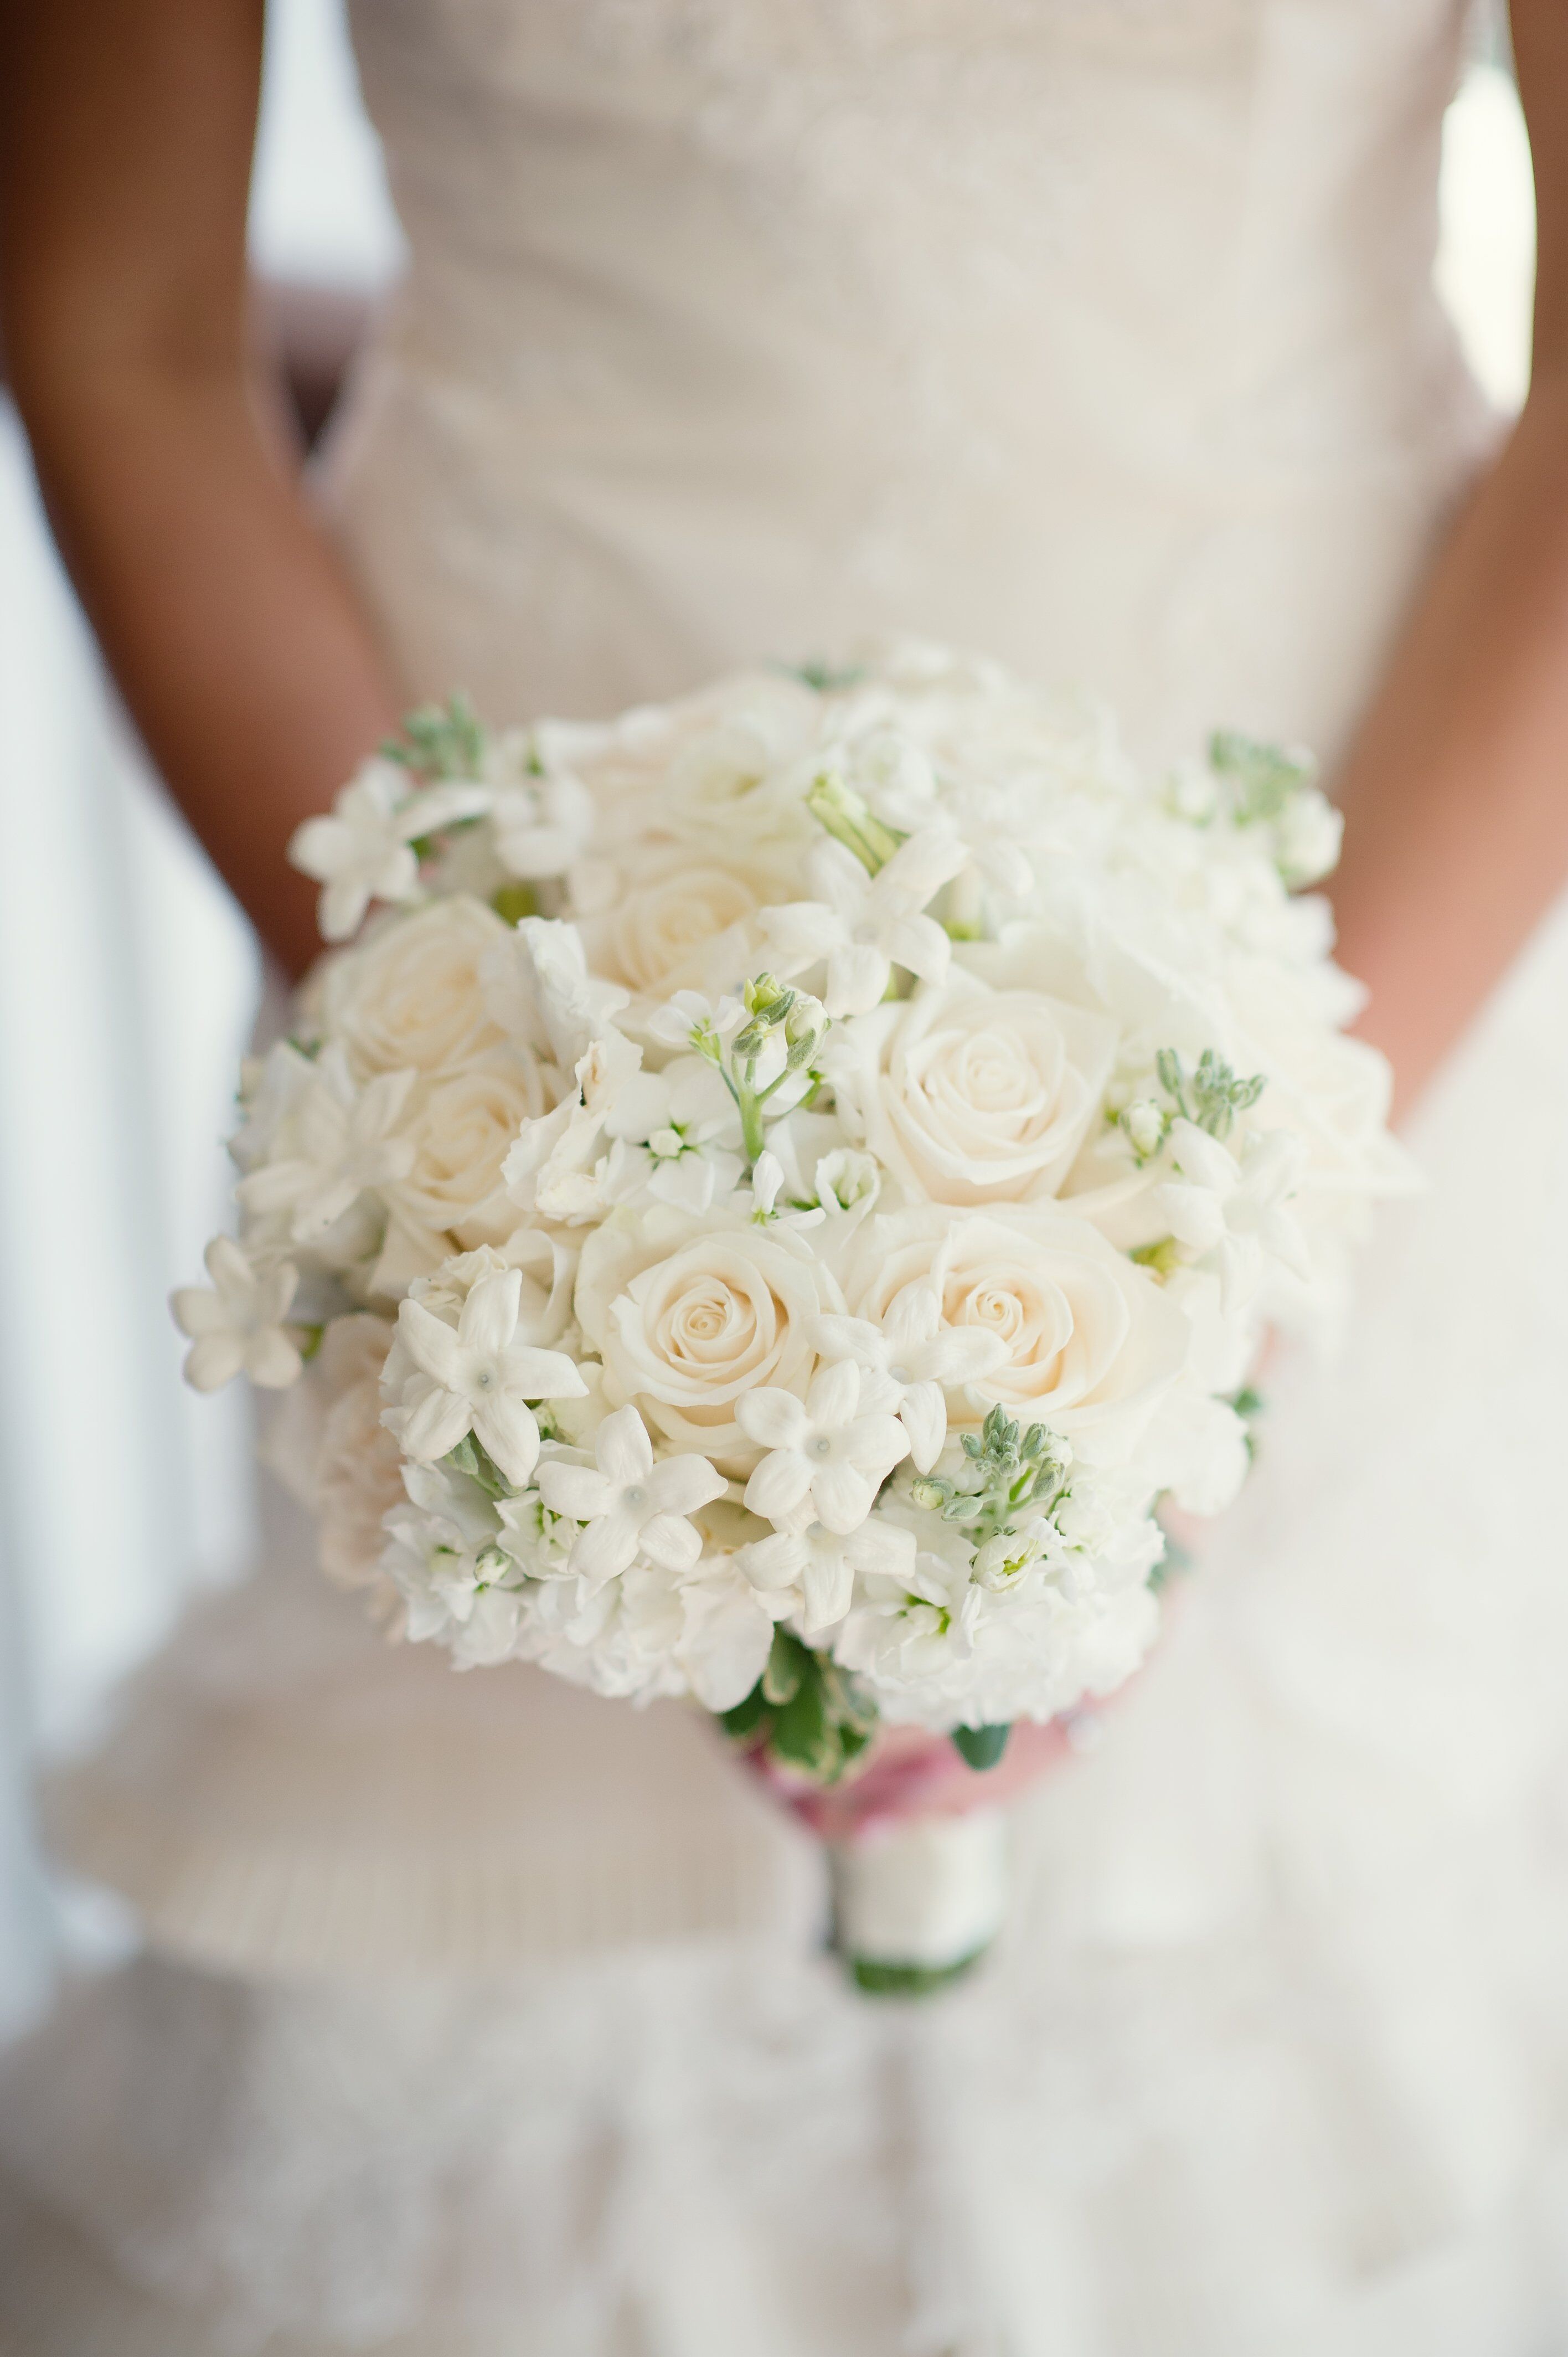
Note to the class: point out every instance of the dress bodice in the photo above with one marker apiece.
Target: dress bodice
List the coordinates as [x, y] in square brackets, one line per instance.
[1099, 334]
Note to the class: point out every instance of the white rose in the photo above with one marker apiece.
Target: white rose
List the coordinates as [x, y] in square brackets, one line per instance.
[970, 1095]
[462, 1134]
[1091, 1342]
[676, 930]
[410, 998]
[688, 1317]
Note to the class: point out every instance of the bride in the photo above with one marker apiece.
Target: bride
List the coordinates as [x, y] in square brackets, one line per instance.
[476, 2015]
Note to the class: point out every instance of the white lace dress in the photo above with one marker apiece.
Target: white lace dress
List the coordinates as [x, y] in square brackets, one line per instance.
[479, 2018]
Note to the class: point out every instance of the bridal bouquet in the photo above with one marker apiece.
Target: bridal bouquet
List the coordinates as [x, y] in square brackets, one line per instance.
[782, 1187]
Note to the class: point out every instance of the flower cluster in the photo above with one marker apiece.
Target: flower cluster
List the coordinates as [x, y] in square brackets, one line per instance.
[783, 1184]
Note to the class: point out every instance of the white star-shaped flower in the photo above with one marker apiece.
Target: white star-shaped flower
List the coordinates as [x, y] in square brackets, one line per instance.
[911, 1356]
[1234, 1212]
[541, 825]
[688, 1018]
[364, 852]
[864, 925]
[480, 1379]
[817, 1566]
[823, 1449]
[629, 1505]
[344, 1142]
[236, 1325]
[675, 1132]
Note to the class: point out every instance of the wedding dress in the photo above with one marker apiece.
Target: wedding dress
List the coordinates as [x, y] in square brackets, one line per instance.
[478, 2016]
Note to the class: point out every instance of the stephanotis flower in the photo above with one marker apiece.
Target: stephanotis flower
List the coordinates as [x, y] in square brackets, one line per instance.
[817, 1567]
[364, 852]
[628, 1504]
[480, 1379]
[541, 823]
[864, 925]
[344, 1141]
[911, 1356]
[823, 1450]
[236, 1326]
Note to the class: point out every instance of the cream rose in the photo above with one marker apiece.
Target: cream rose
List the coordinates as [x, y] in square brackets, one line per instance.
[970, 1095]
[1091, 1342]
[329, 1447]
[412, 997]
[688, 1317]
[662, 931]
[462, 1132]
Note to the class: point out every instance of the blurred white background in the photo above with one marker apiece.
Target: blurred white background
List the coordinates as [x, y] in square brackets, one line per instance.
[127, 984]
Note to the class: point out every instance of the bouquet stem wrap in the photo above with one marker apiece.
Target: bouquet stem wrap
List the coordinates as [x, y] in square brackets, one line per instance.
[917, 1901]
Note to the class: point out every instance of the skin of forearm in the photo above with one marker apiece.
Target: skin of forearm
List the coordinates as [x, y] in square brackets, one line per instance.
[1455, 789]
[237, 644]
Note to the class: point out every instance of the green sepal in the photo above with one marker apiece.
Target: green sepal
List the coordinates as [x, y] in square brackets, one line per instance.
[982, 1746]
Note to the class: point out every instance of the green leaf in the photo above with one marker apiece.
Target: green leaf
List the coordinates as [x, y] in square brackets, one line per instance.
[786, 1666]
[472, 1457]
[744, 1717]
[982, 1746]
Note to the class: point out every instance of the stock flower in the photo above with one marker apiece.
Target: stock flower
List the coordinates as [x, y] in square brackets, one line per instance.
[364, 852]
[1235, 1212]
[480, 1379]
[236, 1325]
[629, 1505]
[817, 1567]
[823, 1449]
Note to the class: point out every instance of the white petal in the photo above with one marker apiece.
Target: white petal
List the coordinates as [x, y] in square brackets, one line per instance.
[622, 1446]
[199, 1311]
[774, 1562]
[214, 1359]
[509, 1432]
[858, 976]
[671, 1542]
[489, 1318]
[541, 1374]
[833, 1396]
[271, 1360]
[779, 1484]
[841, 1494]
[436, 1424]
[919, 943]
[432, 1345]
[679, 1485]
[773, 1418]
[923, 1416]
[884, 1547]
[575, 1490]
[827, 1586]
[606, 1547]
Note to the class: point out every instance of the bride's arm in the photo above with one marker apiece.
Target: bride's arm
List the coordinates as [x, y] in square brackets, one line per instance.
[1456, 786]
[126, 136]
